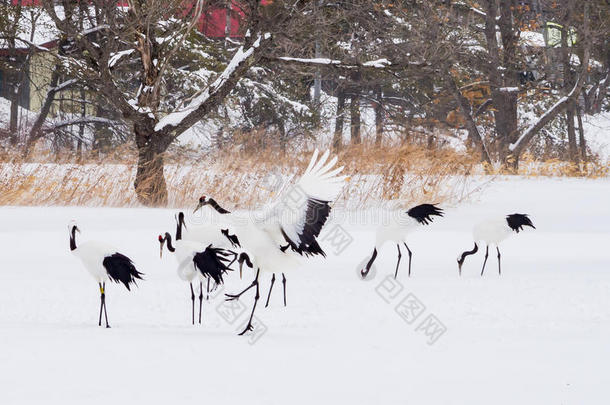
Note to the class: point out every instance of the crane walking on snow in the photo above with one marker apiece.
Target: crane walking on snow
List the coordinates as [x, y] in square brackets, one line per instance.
[396, 231]
[492, 232]
[286, 229]
[104, 262]
[196, 261]
[216, 236]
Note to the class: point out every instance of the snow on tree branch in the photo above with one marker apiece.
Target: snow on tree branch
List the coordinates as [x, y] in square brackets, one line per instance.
[529, 133]
[63, 85]
[81, 120]
[94, 29]
[373, 64]
[311, 61]
[115, 57]
[32, 44]
[176, 117]
[379, 63]
[298, 107]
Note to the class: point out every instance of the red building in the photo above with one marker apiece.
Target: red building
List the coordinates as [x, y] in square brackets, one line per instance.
[212, 24]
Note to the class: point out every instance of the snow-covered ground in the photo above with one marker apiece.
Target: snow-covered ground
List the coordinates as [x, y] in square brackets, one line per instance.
[536, 335]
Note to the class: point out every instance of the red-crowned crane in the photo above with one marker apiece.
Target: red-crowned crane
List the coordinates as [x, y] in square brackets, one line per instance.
[397, 228]
[196, 261]
[493, 231]
[284, 230]
[104, 262]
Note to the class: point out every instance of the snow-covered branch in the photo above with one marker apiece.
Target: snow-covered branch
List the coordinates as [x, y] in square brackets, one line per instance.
[298, 107]
[187, 115]
[335, 63]
[517, 147]
[311, 61]
[63, 85]
[81, 120]
[116, 56]
[32, 44]
[94, 29]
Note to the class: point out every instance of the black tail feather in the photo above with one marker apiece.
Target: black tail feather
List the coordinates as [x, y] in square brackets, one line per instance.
[121, 269]
[212, 263]
[423, 213]
[516, 222]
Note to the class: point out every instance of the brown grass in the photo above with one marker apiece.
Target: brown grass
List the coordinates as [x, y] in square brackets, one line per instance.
[237, 179]
[409, 174]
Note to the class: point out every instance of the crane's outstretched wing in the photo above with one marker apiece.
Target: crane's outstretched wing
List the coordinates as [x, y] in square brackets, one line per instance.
[303, 208]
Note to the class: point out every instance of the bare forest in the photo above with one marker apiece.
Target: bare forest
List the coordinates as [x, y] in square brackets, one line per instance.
[125, 103]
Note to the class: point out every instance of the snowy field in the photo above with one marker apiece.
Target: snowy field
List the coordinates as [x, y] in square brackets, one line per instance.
[539, 334]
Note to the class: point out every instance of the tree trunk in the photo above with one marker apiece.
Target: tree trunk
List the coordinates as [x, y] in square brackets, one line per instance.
[505, 121]
[471, 126]
[149, 184]
[339, 120]
[102, 137]
[572, 148]
[282, 129]
[355, 119]
[378, 119]
[504, 102]
[568, 81]
[81, 126]
[36, 131]
[14, 116]
[581, 133]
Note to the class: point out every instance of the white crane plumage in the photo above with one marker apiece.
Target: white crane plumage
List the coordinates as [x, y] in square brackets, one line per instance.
[216, 236]
[285, 230]
[396, 230]
[196, 261]
[103, 262]
[493, 231]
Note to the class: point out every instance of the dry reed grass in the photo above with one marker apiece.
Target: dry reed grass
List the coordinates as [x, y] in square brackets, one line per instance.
[407, 174]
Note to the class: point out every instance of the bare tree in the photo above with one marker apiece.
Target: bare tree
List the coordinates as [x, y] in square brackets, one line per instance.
[147, 33]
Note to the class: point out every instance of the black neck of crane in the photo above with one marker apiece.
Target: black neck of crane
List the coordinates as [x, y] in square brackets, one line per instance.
[168, 240]
[217, 207]
[179, 223]
[468, 253]
[73, 238]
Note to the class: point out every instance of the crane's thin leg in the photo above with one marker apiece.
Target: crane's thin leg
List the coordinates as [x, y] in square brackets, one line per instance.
[485, 261]
[256, 297]
[270, 288]
[193, 303]
[499, 265]
[398, 262]
[200, 300]
[284, 282]
[410, 256]
[231, 297]
[232, 261]
[364, 272]
[101, 303]
[207, 293]
[104, 303]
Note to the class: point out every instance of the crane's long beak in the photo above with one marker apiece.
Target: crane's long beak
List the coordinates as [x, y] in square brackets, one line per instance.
[459, 268]
[198, 206]
[241, 265]
[161, 243]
